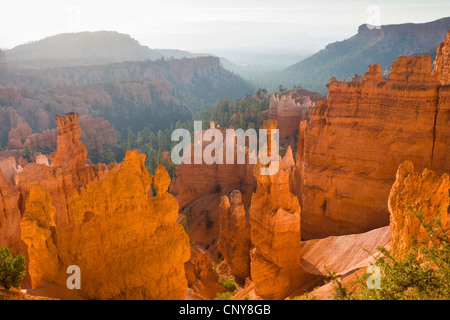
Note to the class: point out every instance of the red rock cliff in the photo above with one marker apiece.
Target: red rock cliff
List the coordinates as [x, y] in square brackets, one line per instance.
[234, 240]
[426, 194]
[291, 108]
[356, 139]
[275, 233]
[126, 245]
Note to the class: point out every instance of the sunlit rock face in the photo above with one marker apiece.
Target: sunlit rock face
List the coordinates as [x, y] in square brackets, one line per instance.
[68, 172]
[70, 153]
[99, 218]
[356, 139]
[426, 195]
[234, 239]
[275, 233]
[126, 245]
[289, 109]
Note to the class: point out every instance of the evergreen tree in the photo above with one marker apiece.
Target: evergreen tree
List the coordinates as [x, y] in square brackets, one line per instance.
[12, 269]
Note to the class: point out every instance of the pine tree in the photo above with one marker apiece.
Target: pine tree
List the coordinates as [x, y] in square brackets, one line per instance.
[12, 269]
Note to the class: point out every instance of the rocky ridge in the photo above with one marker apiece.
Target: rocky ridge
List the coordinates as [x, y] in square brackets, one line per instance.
[71, 213]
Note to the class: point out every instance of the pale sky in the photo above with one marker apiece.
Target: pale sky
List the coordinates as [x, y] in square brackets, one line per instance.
[209, 25]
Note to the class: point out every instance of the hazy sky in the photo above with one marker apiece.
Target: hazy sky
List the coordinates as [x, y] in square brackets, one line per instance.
[208, 25]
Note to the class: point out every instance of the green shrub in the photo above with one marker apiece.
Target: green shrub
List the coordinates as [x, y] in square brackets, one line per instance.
[423, 274]
[12, 269]
[228, 283]
[223, 296]
[27, 152]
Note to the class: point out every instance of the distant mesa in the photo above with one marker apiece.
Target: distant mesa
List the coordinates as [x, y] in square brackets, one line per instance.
[83, 48]
[87, 49]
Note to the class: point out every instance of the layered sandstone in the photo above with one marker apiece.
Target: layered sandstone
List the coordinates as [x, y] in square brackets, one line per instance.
[95, 134]
[441, 65]
[356, 139]
[202, 197]
[67, 174]
[36, 229]
[234, 239]
[99, 218]
[10, 169]
[291, 108]
[413, 194]
[45, 141]
[187, 187]
[10, 215]
[14, 127]
[70, 153]
[275, 233]
[140, 259]
[201, 276]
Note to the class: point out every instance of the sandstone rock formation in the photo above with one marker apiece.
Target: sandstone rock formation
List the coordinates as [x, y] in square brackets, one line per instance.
[187, 187]
[291, 108]
[234, 240]
[140, 259]
[68, 172]
[426, 194]
[356, 139]
[45, 141]
[36, 228]
[17, 136]
[14, 127]
[100, 218]
[202, 279]
[9, 215]
[202, 197]
[71, 153]
[275, 233]
[10, 169]
[95, 134]
[288, 159]
[441, 65]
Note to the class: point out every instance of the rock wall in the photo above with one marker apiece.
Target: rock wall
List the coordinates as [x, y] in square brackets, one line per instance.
[275, 233]
[13, 128]
[356, 139]
[289, 113]
[289, 109]
[187, 186]
[425, 194]
[70, 153]
[126, 245]
[234, 239]
[199, 189]
[95, 134]
[9, 216]
[100, 218]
